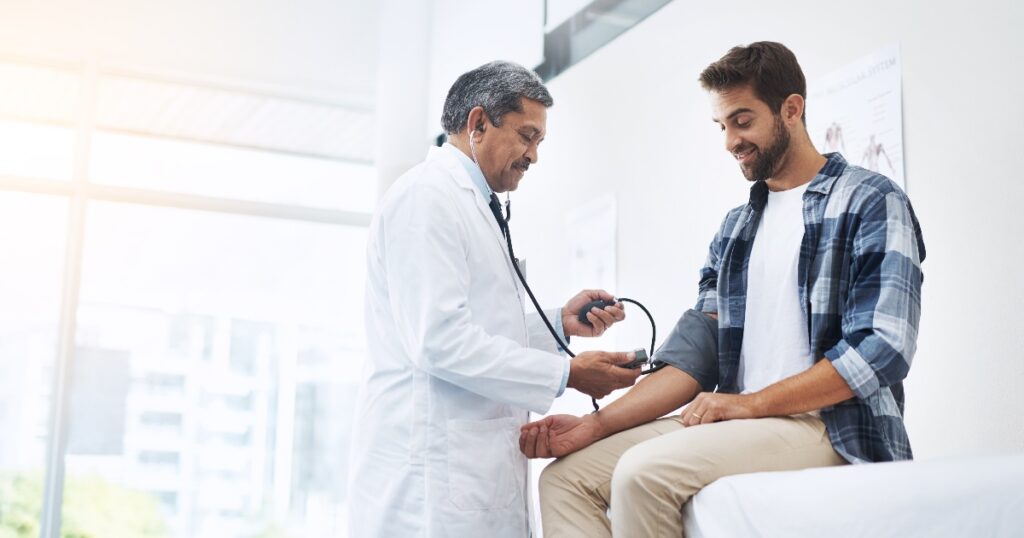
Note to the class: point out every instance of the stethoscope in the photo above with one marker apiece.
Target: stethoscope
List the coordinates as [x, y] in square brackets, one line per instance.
[582, 315]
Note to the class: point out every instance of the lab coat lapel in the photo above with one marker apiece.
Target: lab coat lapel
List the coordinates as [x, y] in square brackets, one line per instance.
[462, 179]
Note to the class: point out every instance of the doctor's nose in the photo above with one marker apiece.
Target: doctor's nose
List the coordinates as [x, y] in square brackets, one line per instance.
[531, 154]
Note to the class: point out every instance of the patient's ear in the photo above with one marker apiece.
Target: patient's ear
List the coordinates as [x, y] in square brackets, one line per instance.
[793, 108]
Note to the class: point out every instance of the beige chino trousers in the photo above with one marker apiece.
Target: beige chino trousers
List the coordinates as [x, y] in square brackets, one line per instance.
[646, 474]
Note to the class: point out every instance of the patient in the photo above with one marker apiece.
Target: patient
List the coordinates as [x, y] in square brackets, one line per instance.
[804, 328]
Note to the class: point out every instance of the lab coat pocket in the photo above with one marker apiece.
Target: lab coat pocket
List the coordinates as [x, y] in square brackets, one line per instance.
[481, 463]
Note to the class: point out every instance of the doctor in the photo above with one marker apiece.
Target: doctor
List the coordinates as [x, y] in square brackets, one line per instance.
[455, 363]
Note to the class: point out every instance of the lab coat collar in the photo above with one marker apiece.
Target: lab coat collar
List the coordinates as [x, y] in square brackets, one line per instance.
[446, 157]
[473, 169]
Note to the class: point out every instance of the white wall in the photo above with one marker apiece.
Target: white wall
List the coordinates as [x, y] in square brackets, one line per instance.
[424, 46]
[467, 34]
[632, 120]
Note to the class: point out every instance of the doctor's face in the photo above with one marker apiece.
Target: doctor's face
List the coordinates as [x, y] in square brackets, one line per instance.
[505, 153]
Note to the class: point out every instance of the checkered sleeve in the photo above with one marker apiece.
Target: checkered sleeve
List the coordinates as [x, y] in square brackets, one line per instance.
[707, 298]
[883, 306]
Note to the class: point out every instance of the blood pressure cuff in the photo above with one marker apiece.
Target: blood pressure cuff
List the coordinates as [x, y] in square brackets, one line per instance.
[692, 347]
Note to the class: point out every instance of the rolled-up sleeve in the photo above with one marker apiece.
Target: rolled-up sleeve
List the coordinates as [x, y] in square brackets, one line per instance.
[883, 307]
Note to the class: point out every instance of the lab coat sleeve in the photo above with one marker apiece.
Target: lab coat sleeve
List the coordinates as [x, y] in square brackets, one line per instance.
[540, 338]
[539, 335]
[428, 279]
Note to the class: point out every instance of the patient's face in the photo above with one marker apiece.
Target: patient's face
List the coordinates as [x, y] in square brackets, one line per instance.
[755, 135]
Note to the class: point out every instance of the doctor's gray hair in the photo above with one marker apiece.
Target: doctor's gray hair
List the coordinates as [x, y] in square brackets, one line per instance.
[496, 86]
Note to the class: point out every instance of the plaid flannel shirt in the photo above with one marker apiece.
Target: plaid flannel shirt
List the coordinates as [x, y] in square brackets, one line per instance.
[860, 290]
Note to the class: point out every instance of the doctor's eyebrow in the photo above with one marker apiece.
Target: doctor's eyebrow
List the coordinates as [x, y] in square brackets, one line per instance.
[533, 131]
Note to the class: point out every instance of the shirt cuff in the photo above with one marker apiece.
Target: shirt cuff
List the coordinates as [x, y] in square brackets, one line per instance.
[565, 380]
[560, 330]
[856, 371]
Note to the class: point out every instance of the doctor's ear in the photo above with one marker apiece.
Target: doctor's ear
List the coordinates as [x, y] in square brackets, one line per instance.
[476, 121]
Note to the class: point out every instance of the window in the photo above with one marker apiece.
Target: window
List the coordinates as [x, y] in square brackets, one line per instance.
[32, 231]
[237, 173]
[161, 421]
[155, 458]
[164, 383]
[264, 284]
[37, 151]
[214, 354]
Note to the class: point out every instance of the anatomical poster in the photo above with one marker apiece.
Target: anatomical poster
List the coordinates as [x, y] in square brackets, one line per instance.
[857, 110]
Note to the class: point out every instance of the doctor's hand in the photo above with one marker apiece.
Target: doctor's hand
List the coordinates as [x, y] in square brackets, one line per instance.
[595, 373]
[600, 319]
[558, 435]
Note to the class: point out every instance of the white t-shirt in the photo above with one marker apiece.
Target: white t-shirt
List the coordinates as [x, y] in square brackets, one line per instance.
[775, 340]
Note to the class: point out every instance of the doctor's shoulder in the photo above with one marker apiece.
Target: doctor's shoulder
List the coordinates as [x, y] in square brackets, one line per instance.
[419, 198]
[419, 184]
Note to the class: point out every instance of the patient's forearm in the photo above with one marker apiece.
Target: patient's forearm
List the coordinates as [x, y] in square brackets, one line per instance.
[817, 387]
[656, 395]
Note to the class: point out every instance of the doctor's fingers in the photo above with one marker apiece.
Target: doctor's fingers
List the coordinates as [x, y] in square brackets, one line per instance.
[597, 327]
[617, 311]
[618, 357]
[598, 294]
[625, 377]
[606, 318]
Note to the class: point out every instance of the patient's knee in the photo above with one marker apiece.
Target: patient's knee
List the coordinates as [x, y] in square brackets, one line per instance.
[556, 475]
[632, 473]
[640, 473]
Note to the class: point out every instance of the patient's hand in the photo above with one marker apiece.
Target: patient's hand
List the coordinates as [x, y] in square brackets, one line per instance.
[558, 435]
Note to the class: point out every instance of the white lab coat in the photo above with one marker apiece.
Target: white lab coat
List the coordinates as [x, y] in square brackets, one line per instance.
[454, 366]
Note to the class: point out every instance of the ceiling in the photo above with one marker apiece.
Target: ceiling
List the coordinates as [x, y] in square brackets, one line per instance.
[293, 76]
